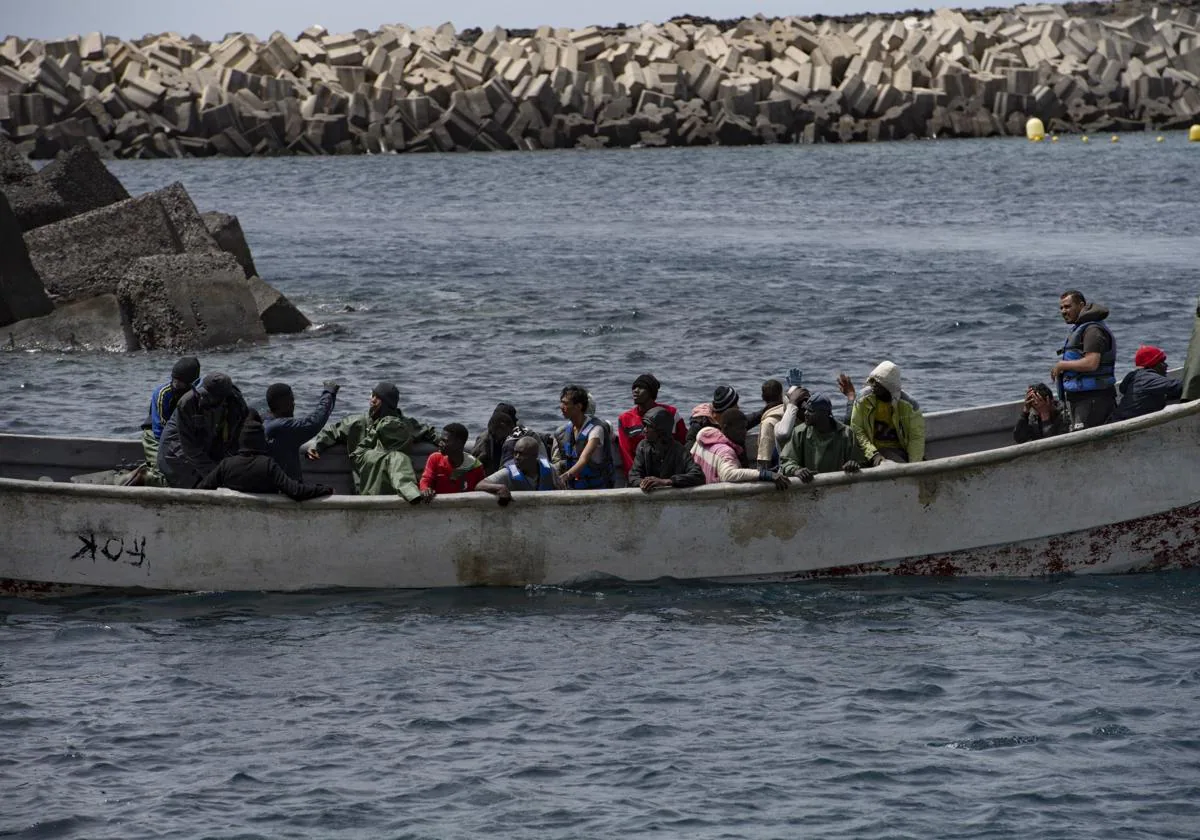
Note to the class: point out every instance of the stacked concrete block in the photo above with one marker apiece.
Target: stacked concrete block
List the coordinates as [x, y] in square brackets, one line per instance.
[22, 294]
[323, 93]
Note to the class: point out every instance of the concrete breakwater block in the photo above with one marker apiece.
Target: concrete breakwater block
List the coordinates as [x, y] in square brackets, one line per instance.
[92, 324]
[21, 292]
[82, 180]
[185, 218]
[183, 302]
[226, 230]
[32, 202]
[277, 313]
[88, 254]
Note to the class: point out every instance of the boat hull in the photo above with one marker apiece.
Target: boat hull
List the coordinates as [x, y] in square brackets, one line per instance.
[1116, 499]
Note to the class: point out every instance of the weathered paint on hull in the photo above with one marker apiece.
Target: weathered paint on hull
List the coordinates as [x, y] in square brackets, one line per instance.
[1116, 499]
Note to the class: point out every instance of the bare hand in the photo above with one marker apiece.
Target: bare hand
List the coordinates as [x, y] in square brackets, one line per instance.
[1041, 405]
[877, 459]
[1055, 371]
[851, 467]
[651, 483]
[503, 496]
[312, 454]
[428, 495]
[806, 475]
[782, 482]
[846, 387]
[799, 397]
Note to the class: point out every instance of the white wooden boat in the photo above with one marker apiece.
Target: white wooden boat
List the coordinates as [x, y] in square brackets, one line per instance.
[1120, 498]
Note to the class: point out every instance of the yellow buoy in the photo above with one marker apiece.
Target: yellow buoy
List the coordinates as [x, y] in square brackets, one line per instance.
[1084, 138]
[1054, 139]
[1194, 134]
[1034, 130]
[1115, 139]
[1158, 139]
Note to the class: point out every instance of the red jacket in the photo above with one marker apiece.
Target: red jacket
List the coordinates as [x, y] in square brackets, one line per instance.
[630, 430]
[441, 476]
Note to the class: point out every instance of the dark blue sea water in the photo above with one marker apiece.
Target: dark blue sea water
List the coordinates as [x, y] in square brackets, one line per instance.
[898, 709]
[865, 710]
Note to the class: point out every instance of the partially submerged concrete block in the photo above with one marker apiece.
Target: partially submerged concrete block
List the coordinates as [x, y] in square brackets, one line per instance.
[80, 177]
[92, 324]
[21, 292]
[88, 254]
[186, 302]
[185, 218]
[277, 313]
[226, 230]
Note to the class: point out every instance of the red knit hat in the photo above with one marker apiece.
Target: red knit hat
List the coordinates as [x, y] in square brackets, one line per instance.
[1148, 357]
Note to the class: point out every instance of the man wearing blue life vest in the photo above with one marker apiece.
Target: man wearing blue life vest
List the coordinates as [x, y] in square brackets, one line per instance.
[527, 473]
[582, 453]
[185, 375]
[1086, 375]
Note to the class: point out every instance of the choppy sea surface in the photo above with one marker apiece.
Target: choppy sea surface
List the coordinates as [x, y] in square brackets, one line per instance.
[871, 709]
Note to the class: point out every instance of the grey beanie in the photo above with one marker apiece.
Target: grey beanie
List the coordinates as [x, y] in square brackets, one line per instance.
[660, 419]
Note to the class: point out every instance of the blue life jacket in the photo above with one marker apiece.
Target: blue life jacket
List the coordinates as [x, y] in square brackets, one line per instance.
[521, 482]
[593, 476]
[1097, 380]
[162, 403]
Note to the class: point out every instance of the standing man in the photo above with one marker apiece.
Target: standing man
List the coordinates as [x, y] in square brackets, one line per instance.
[631, 426]
[286, 433]
[203, 430]
[184, 376]
[1086, 375]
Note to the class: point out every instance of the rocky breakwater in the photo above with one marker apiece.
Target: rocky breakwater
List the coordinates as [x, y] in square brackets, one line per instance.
[685, 82]
[83, 266]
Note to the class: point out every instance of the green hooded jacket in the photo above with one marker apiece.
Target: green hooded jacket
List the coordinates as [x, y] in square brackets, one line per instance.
[378, 451]
[910, 425]
[808, 449]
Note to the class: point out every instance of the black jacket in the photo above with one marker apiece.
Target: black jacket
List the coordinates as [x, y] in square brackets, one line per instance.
[285, 435]
[199, 435]
[675, 463]
[252, 470]
[1144, 391]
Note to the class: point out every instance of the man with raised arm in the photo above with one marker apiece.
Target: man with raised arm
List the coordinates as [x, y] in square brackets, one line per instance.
[286, 432]
[378, 444]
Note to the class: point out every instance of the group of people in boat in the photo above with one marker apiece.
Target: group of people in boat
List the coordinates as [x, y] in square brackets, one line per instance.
[200, 432]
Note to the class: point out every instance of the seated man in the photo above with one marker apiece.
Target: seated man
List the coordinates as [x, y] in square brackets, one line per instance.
[708, 415]
[821, 444]
[1147, 388]
[184, 376]
[451, 470]
[204, 428]
[489, 447]
[631, 424]
[378, 443]
[1042, 416]
[888, 422]
[793, 415]
[252, 470]
[660, 460]
[583, 451]
[286, 433]
[527, 472]
[773, 411]
[718, 451]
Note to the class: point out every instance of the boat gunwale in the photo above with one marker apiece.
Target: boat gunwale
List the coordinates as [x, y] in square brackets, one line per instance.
[888, 472]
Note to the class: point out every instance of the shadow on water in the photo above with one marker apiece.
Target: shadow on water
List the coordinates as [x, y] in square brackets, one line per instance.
[668, 599]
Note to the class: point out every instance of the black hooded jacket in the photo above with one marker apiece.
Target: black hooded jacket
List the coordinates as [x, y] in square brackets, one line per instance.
[252, 470]
[200, 433]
